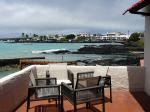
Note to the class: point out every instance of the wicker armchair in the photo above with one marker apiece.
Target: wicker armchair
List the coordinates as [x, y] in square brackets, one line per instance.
[88, 90]
[106, 80]
[43, 89]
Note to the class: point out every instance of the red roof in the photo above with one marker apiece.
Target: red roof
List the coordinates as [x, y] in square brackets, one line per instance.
[137, 6]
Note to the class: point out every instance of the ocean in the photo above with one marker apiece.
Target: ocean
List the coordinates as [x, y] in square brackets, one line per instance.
[21, 50]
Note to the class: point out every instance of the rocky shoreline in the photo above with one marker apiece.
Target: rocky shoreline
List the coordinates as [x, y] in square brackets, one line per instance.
[109, 49]
[101, 49]
[129, 61]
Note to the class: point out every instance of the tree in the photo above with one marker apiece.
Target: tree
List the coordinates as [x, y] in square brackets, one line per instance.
[70, 37]
[35, 35]
[23, 34]
[134, 37]
[41, 38]
[44, 37]
[26, 35]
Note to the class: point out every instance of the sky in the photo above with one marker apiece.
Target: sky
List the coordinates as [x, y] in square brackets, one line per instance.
[67, 16]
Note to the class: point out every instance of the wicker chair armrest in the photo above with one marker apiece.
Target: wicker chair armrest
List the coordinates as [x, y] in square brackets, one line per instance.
[86, 72]
[107, 76]
[45, 78]
[45, 86]
[66, 87]
[89, 88]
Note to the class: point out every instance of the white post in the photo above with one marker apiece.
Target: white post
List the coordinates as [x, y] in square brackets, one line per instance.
[147, 54]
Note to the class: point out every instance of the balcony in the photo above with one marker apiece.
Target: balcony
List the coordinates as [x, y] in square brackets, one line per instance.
[127, 83]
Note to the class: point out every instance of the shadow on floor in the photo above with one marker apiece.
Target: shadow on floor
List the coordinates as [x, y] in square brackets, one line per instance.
[143, 99]
[53, 108]
[46, 108]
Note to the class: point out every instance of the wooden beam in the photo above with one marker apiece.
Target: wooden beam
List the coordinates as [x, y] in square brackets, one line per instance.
[141, 13]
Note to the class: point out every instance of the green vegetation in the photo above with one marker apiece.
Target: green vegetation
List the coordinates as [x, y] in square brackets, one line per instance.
[63, 40]
[135, 36]
[70, 37]
[135, 42]
[140, 43]
[80, 39]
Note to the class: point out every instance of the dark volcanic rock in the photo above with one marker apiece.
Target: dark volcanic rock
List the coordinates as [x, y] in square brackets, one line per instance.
[113, 62]
[61, 52]
[102, 49]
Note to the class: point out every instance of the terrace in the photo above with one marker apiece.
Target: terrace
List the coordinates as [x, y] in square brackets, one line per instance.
[127, 94]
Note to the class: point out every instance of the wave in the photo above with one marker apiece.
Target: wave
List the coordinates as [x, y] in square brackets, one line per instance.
[47, 51]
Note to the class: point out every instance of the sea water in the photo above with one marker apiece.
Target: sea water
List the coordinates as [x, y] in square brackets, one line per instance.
[22, 50]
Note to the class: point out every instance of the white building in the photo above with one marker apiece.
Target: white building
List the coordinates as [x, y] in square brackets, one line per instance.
[84, 34]
[115, 36]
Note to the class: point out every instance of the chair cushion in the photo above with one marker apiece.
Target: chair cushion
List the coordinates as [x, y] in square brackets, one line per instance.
[41, 70]
[59, 71]
[32, 79]
[65, 81]
[101, 70]
[34, 71]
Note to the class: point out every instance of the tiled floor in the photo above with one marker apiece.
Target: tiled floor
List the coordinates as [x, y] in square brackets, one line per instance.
[123, 101]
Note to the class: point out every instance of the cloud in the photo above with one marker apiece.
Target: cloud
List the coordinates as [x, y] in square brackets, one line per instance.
[67, 16]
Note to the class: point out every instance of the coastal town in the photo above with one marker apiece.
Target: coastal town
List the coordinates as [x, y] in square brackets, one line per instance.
[73, 37]
[128, 46]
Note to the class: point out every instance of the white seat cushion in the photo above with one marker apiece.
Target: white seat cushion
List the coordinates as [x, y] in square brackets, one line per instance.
[101, 70]
[32, 79]
[59, 71]
[65, 81]
[41, 70]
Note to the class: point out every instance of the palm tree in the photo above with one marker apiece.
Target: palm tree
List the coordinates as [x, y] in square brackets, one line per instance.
[23, 34]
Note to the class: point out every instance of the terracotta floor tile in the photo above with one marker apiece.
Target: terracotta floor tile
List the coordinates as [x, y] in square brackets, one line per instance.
[123, 101]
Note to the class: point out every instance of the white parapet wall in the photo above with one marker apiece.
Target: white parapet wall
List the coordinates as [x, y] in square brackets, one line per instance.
[127, 77]
[123, 77]
[13, 90]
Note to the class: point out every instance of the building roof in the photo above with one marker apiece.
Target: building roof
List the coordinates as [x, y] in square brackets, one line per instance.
[134, 9]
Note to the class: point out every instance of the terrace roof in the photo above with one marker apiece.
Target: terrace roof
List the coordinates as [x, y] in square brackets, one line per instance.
[134, 9]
